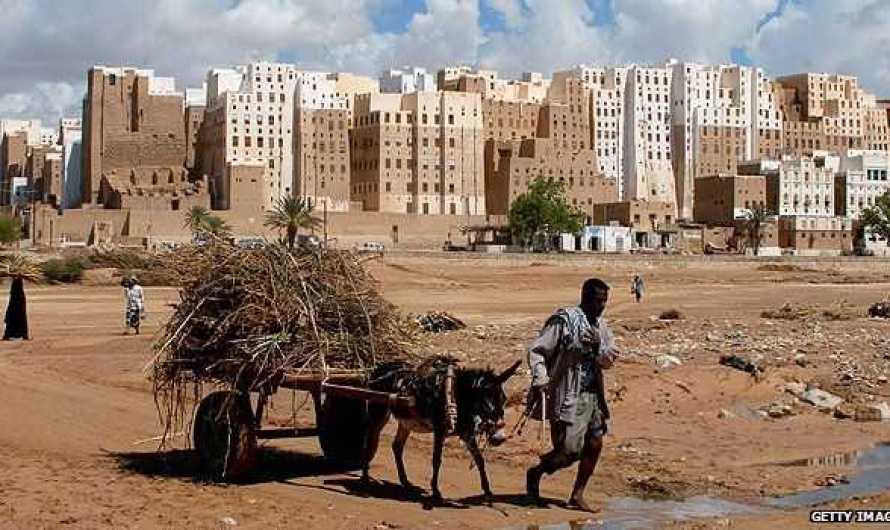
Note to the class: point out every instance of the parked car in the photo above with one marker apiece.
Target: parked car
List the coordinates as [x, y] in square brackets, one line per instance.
[250, 243]
[371, 247]
[308, 240]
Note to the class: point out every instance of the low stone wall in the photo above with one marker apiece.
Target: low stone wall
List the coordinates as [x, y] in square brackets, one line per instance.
[345, 229]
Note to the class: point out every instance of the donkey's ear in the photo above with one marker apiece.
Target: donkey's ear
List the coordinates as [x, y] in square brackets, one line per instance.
[509, 372]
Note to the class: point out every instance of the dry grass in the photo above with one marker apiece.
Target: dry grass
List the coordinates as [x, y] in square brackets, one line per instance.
[245, 316]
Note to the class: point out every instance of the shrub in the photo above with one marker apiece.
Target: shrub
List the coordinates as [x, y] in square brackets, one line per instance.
[10, 229]
[67, 270]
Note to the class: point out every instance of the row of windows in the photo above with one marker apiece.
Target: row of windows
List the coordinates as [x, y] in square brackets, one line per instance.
[260, 141]
[876, 174]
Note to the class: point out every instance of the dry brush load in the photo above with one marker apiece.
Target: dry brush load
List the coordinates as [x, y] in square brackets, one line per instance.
[245, 316]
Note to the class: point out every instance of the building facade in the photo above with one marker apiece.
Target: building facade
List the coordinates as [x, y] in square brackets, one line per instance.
[721, 200]
[861, 180]
[519, 162]
[406, 80]
[648, 171]
[803, 186]
[321, 143]
[419, 153]
[249, 121]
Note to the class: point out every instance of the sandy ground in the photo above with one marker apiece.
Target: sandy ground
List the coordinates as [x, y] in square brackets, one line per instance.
[79, 419]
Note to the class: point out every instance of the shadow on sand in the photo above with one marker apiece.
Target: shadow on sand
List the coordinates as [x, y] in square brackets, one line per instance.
[274, 465]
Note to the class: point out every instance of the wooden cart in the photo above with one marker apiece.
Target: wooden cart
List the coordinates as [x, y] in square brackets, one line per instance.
[227, 426]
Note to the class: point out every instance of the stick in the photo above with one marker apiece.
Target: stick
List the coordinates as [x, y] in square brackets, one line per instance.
[158, 438]
[542, 438]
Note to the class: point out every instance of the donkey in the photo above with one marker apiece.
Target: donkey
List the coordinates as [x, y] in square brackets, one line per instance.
[478, 395]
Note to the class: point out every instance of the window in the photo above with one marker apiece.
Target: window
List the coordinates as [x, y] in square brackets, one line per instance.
[451, 119]
[259, 141]
[451, 142]
[271, 163]
[388, 187]
[234, 141]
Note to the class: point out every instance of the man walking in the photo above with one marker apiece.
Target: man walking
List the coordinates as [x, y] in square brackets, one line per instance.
[637, 288]
[135, 305]
[566, 363]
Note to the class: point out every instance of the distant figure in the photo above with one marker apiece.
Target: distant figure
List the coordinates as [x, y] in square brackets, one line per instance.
[637, 288]
[16, 312]
[135, 304]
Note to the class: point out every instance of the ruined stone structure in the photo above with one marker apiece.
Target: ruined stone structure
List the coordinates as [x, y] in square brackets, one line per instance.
[148, 188]
[132, 119]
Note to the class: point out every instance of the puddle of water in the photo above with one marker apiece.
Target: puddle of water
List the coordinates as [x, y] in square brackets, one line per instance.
[631, 513]
[872, 476]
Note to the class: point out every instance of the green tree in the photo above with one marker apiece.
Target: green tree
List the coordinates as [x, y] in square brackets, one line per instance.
[755, 219]
[216, 226]
[10, 229]
[201, 222]
[196, 219]
[290, 214]
[543, 207]
[876, 218]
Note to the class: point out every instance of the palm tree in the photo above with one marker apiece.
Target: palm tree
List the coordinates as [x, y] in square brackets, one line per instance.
[291, 214]
[201, 222]
[216, 226]
[196, 219]
[756, 217]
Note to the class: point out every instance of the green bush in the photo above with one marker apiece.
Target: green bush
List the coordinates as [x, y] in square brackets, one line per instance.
[67, 270]
[10, 229]
[123, 259]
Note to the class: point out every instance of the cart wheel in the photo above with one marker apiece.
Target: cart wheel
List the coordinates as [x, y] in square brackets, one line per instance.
[342, 424]
[224, 436]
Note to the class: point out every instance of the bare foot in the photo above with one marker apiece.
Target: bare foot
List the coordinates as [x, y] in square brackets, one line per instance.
[577, 502]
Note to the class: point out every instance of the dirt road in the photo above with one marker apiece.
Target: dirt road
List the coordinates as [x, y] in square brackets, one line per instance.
[78, 417]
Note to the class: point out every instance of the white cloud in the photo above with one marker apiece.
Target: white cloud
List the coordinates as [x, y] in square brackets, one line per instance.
[511, 10]
[46, 46]
[446, 32]
[850, 37]
[46, 101]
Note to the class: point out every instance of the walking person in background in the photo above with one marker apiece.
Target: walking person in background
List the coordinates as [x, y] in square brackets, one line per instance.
[16, 312]
[567, 362]
[637, 288]
[134, 310]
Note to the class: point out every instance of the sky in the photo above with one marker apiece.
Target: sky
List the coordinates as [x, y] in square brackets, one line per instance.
[46, 46]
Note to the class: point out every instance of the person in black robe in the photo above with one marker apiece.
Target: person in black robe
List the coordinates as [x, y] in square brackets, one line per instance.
[16, 312]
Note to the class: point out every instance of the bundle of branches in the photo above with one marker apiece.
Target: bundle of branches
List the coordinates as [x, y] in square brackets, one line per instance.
[247, 315]
[439, 322]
